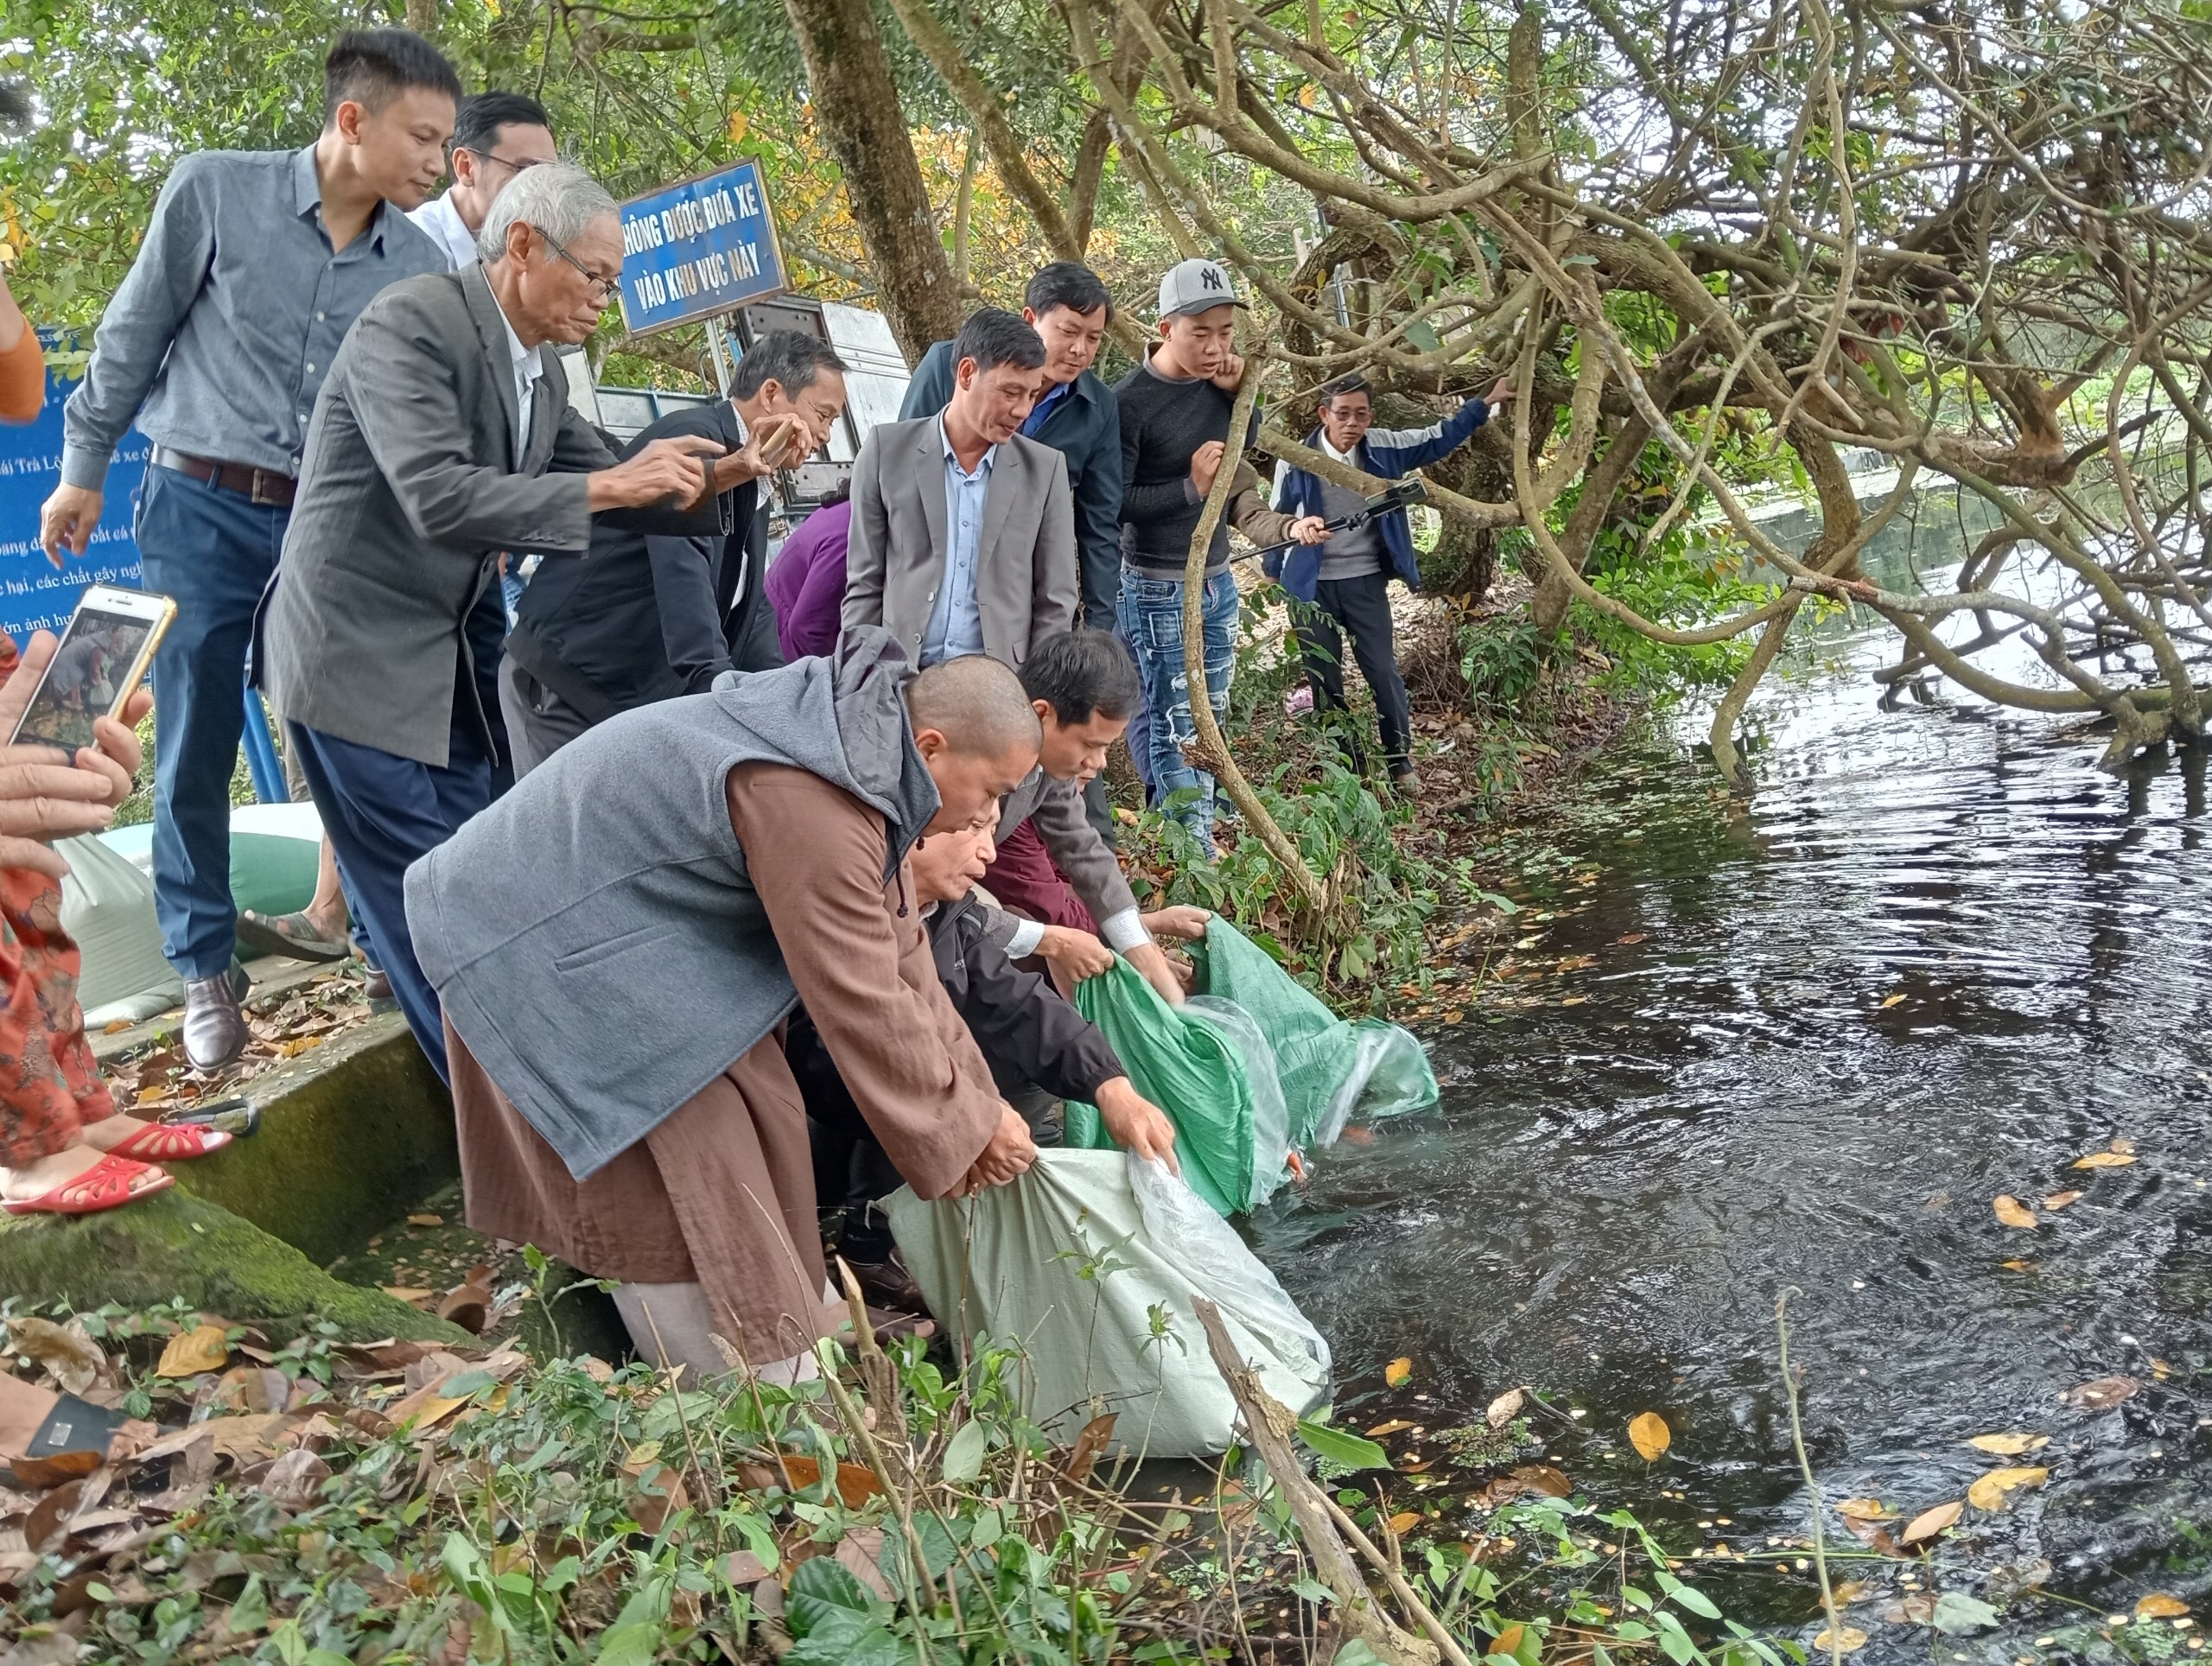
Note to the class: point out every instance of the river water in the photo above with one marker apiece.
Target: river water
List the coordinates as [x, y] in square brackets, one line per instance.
[1807, 1040]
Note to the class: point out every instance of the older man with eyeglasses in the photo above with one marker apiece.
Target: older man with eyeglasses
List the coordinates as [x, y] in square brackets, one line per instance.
[444, 435]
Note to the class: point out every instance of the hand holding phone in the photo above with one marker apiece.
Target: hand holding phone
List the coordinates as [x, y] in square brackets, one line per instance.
[94, 672]
[44, 795]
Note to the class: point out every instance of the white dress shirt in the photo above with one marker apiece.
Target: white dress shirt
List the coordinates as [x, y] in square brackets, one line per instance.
[441, 221]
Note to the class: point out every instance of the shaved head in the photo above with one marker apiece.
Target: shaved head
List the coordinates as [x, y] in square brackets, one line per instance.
[978, 733]
[977, 705]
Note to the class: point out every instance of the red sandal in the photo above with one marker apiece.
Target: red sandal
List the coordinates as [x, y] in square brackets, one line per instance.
[170, 1142]
[106, 1184]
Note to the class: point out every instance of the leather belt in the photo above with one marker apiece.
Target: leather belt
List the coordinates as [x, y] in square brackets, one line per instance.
[264, 486]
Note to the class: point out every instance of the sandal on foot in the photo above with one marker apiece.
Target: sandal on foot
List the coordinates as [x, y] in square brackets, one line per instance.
[292, 935]
[170, 1142]
[73, 1440]
[106, 1184]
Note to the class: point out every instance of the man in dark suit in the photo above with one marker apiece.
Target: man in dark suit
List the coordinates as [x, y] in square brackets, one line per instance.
[442, 435]
[641, 619]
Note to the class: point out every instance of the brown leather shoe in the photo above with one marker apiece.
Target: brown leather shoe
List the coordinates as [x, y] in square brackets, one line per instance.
[888, 1284]
[215, 1031]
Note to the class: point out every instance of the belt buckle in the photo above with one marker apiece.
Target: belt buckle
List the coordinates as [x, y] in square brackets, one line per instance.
[260, 474]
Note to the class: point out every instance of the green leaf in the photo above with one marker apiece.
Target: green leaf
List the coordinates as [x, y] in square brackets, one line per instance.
[874, 1646]
[1353, 1450]
[249, 1612]
[1958, 1614]
[825, 1601]
[1688, 1595]
[633, 1644]
[963, 1453]
[1314, 1591]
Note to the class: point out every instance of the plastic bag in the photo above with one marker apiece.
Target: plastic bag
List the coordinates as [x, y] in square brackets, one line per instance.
[1192, 1066]
[1330, 1069]
[107, 906]
[1089, 1262]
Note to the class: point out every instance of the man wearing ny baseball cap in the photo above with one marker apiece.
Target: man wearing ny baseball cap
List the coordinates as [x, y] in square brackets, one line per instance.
[1175, 410]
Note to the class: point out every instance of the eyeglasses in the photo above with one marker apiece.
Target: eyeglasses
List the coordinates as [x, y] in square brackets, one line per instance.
[512, 166]
[604, 288]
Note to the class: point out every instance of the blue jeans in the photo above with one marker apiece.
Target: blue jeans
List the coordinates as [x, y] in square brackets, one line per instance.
[382, 811]
[1151, 612]
[213, 551]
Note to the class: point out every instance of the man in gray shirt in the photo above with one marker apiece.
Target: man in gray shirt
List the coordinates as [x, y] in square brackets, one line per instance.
[216, 343]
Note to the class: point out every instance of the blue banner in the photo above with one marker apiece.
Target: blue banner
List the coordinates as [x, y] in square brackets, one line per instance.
[698, 249]
[34, 595]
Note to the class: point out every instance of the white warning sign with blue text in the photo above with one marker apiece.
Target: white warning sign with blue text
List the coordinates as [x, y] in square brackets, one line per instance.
[699, 249]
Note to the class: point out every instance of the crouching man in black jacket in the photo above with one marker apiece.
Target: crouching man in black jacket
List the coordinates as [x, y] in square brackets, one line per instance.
[1040, 1048]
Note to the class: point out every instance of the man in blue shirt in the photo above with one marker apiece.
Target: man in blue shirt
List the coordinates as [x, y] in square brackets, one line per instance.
[253, 268]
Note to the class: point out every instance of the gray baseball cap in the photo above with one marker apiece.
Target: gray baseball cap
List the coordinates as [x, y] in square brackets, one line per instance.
[1196, 286]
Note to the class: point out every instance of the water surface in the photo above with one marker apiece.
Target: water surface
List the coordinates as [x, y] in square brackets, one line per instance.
[1935, 959]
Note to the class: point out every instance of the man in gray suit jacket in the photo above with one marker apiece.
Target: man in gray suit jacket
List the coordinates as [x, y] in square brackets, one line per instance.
[442, 435]
[963, 530]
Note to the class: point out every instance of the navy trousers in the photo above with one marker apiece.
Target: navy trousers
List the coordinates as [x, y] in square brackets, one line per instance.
[213, 551]
[381, 811]
[1360, 608]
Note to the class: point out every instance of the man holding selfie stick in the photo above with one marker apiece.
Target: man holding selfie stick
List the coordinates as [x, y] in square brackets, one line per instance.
[1342, 587]
[216, 344]
[443, 436]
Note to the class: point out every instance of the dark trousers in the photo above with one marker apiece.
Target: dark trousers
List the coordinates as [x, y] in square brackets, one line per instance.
[851, 1170]
[539, 722]
[1360, 607]
[213, 551]
[487, 631]
[381, 811]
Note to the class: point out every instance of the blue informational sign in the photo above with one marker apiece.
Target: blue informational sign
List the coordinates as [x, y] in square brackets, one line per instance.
[698, 249]
[34, 595]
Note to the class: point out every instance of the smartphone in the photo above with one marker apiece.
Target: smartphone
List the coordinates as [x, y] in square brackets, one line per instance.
[105, 649]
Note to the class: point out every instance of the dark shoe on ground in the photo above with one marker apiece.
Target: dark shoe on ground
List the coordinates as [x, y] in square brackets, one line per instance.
[888, 1284]
[378, 990]
[1406, 785]
[215, 1031]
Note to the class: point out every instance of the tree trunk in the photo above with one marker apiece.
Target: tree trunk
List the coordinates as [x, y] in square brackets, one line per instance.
[849, 73]
[423, 16]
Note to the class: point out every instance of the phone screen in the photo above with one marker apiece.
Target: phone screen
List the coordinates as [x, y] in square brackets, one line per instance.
[88, 670]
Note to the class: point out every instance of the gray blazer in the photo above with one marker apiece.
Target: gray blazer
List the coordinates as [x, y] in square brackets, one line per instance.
[1027, 579]
[410, 487]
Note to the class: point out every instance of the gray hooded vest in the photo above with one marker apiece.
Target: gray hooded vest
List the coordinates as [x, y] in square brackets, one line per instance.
[594, 936]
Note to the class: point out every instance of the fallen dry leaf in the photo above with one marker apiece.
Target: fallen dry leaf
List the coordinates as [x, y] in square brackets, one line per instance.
[1849, 1638]
[204, 1348]
[2017, 1266]
[1544, 1479]
[2007, 1446]
[1993, 1490]
[1914, 1608]
[1930, 1522]
[1863, 1509]
[2122, 1146]
[2013, 1212]
[426, 1220]
[861, 1554]
[2160, 1369]
[1892, 1000]
[1649, 1433]
[1404, 1522]
[2158, 1605]
[2105, 1159]
[295, 1479]
[2059, 1200]
[1508, 1639]
[1852, 1590]
[2103, 1393]
[1632, 937]
[659, 1494]
[1091, 1442]
[406, 1292]
[1503, 1409]
[71, 1359]
[1398, 1372]
[1394, 1426]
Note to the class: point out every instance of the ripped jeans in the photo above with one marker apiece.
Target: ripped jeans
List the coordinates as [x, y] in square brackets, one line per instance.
[1151, 615]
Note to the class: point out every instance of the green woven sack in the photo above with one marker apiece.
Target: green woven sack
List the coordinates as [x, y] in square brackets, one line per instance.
[1208, 1067]
[1332, 1069]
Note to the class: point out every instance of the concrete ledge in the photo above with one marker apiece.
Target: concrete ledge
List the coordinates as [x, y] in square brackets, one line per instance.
[353, 1134]
[173, 1245]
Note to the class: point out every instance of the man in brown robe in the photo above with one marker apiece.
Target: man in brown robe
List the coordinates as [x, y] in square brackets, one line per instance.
[613, 999]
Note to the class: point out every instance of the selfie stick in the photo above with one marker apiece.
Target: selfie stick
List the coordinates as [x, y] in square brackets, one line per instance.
[1403, 495]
